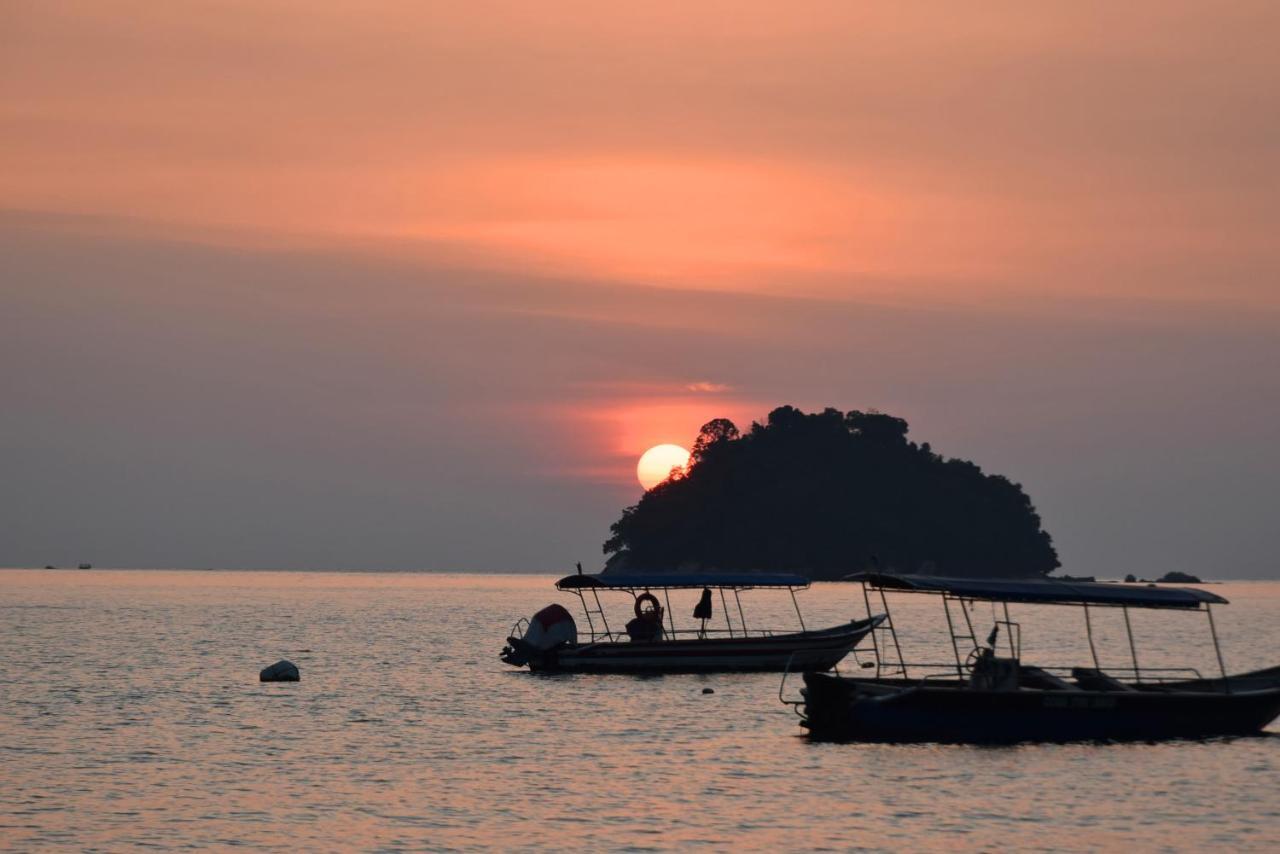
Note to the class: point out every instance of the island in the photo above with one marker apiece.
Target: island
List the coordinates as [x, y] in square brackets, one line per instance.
[826, 494]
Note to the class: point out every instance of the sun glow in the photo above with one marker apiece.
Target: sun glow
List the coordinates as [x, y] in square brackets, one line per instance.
[656, 464]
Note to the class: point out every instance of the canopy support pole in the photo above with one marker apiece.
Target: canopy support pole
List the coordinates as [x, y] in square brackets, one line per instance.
[671, 620]
[893, 633]
[586, 609]
[969, 622]
[797, 606]
[603, 618]
[875, 643]
[1217, 649]
[1088, 630]
[724, 603]
[1133, 650]
[741, 616]
[1014, 651]
[951, 630]
[590, 624]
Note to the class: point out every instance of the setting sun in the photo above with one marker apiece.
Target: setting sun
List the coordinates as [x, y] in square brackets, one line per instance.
[656, 464]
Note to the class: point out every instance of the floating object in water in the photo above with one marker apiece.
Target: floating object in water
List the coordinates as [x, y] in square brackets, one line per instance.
[86, 566]
[282, 671]
[708, 690]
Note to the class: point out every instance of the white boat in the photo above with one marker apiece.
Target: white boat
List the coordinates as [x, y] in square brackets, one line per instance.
[651, 643]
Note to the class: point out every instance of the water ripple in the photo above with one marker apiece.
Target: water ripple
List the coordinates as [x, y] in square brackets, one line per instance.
[131, 716]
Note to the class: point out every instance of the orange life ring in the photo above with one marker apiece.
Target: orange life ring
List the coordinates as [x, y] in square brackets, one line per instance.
[653, 615]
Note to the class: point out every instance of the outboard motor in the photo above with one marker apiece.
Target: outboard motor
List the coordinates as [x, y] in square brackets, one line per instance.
[550, 629]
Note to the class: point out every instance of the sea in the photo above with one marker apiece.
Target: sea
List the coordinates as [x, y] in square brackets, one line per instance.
[131, 717]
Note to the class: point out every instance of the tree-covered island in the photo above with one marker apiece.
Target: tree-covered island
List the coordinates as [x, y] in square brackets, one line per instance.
[827, 494]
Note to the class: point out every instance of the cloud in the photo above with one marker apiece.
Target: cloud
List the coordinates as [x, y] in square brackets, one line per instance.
[893, 153]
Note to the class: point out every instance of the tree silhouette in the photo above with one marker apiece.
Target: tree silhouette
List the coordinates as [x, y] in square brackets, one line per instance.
[714, 431]
[819, 494]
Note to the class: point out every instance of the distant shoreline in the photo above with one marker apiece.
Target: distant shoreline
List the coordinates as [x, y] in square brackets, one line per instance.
[275, 569]
[477, 572]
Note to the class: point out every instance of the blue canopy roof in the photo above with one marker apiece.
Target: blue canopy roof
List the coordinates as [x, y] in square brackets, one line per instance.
[740, 580]
[1044, 591]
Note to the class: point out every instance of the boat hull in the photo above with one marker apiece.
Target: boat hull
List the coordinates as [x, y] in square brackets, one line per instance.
[1253, 681]
[882, 710]
[816, 650]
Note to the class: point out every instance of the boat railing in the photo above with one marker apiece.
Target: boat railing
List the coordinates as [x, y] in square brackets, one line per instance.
[676, 634]
[948, 675]
[796, 705]
[598, 624]
[519, 628]
[1154, 675]
[1141, 674]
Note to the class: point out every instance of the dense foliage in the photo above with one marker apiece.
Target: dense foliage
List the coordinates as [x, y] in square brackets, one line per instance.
[826, 494]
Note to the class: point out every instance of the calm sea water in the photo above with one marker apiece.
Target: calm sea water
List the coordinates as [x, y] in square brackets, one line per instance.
[131, 715]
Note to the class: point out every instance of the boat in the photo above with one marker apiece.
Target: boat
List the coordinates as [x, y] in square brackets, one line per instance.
[650, 641]
[988, 694]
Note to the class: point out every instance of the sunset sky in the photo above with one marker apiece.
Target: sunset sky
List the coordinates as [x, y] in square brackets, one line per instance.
[413, 285]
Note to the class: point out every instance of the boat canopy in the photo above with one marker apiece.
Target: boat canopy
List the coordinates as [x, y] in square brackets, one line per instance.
[1046, 591]
[727, 580]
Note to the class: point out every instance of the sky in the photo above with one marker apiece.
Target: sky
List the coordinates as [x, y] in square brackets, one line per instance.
[413, 285]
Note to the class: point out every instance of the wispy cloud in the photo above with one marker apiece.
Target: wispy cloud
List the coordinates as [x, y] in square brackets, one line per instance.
[704, 387]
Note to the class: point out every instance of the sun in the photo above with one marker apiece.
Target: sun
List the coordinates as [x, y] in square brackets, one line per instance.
[656, 464]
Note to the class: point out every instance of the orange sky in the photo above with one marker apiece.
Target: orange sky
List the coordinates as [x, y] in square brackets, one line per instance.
[523, 241]
[859, 150]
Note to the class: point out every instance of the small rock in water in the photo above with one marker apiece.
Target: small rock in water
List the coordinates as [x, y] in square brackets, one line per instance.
[708, 690]
[282, 671]
[1175, 577]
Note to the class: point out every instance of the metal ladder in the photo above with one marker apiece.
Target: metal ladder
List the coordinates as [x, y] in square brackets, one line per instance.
[599, 612]
[964, 632]
[884, 636]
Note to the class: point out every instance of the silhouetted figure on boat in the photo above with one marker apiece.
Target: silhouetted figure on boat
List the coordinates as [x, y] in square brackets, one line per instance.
[702, 611]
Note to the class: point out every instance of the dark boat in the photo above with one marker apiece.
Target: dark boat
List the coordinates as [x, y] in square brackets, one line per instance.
[988, 696]
[651, 643]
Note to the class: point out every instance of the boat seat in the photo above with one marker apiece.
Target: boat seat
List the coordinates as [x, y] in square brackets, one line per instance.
[1034, 677]
[644, 630]
[1092, 679]
[992, 673]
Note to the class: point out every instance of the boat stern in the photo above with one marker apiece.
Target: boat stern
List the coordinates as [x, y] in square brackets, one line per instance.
[532, 641]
